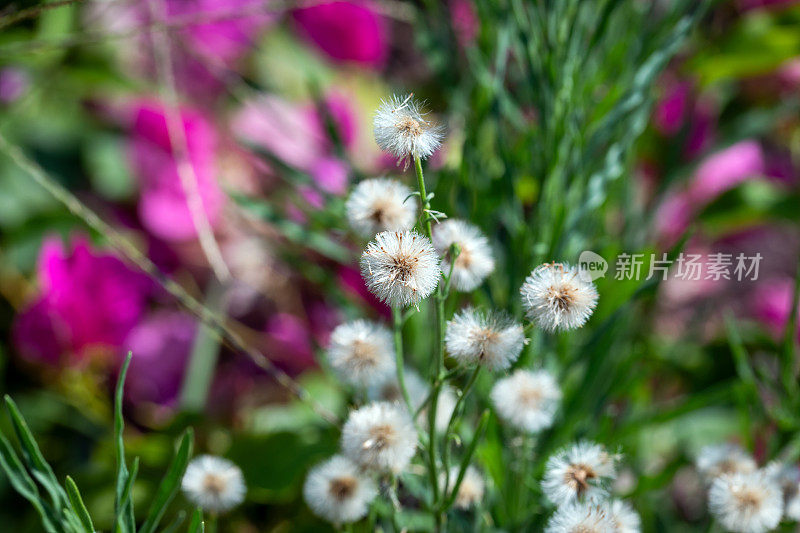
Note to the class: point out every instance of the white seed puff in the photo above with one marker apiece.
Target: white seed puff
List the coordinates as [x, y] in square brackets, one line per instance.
[338, 491]
[486, 338]
[471, 490]
[380, 204]
[557, 297]
[746, 502]
[623, 516]
[475, 260]
[578, 473]
[400, 128]
[361, 352]
[213, 483]
[726, 458]
[389, 391]
[581, 518]
[400, 268]
[527, 400]
[380, 436]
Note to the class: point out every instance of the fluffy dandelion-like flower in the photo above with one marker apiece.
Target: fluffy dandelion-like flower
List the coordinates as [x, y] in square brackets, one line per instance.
[727, 458]
[400, 128]
[623, 516]
[361, 352]
[788, 479]
[213, 483]
[380, 436]
[472, 487]
[489, 339]
[474, 261]
[576, 473]
[557, 296]
[338, 491]
[400, 268]
[527, 400]
[581, 518]
[380, 204]
[746, 502]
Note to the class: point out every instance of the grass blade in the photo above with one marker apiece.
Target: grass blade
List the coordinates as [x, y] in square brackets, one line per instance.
[78, 506]
[197, 525]
[122, 468]
[170, 484]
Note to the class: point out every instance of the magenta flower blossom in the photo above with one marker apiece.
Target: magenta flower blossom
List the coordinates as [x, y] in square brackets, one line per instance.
[747, 5]
[161, 345]
[163, 208]
[330, 174]
[772, 305]
[670, 111]
[90, 300]
[465, 21]
[289, 342]
[346, 31]
[726, 169]
[13, 84]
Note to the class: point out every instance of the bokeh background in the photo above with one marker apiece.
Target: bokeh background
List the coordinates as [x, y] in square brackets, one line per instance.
[273, 101]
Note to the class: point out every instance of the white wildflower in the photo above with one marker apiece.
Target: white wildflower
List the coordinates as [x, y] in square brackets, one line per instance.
[380, 436]
[474, 261]
[400, 128]
[338, 491]
[471, 490]
[380, 204]
[624, 517]
[578, 472]
[556, 296]
[490, 339]
[400, 268]
[746, 502]
[787, 476]
[580, 518]
[727, 458]
[361, 352]
[527, 400]
[213, 483]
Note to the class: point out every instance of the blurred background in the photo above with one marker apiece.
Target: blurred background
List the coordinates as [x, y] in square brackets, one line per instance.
[266, 107]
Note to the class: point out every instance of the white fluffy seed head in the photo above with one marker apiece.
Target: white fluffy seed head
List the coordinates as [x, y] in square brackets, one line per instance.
[486, 338]
[389, 391]
[746, 502]
[474, 261]
[527, 400]
[581, 518]
[362, 352]
[556, 296]
[787, 477]
[213, 483]
[380, 204]
[471, 490]
[400, 268]
[380, 436]
[338, 491]
[727, 458]
[579, 472]
[624, 517]
[400, 128]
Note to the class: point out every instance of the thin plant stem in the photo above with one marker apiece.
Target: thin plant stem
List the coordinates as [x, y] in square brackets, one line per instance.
[451, 421]
[789, 359]
[397, 323]
[135, 256]
[180, 150]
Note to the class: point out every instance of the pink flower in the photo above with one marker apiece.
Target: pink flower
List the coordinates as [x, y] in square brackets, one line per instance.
[289, 342]
[747, 5]
[671, 109]
[346, 31]
[672, 217]
[772, 305]
[161, 345]
[330, 174]
[163, 208]
[465, 21]
[726, 169]
[89, 300]
[13, 84]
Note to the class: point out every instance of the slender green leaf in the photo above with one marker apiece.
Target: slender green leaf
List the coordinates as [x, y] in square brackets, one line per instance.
[170, 484]
[124, 520]
[122, 468]
[196, 525]
[78, 506]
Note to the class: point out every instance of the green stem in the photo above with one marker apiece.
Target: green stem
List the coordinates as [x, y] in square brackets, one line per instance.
[423, 198]
[453, 416]
[788, 366]
[397, 322]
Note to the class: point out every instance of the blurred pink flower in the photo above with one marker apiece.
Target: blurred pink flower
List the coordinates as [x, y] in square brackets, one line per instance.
[746, 5]
[702, 128]
[351, 282]
[465, 21]
[161, 345]
[772, 304]
[346, 31]
[338, 107]
[726, 169]
[13, 84]
[672, 217]
[330, 174]
[671, 109]
[89, 300]
[163, 209]
[289, 342]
